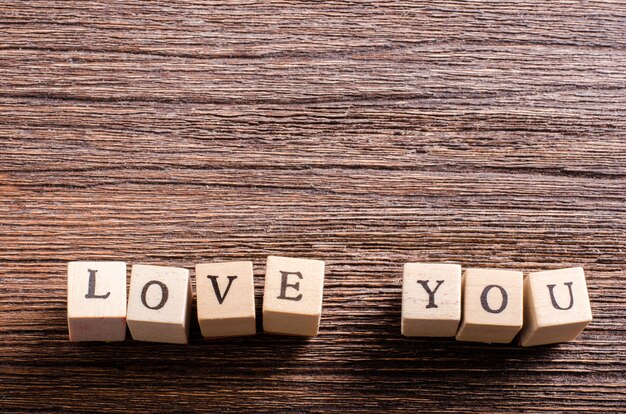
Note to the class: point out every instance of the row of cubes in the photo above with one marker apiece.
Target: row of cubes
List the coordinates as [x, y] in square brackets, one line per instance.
[494, 306]
[438, 300]
[159, 300]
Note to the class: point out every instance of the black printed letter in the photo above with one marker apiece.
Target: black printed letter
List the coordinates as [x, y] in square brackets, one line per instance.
[431, 293]
[91, 288]
[164, 294]
[485, 303]
[216, 287]
[284, 285]
[553, 299]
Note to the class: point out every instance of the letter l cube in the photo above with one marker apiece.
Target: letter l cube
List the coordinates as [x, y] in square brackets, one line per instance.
[96, 301]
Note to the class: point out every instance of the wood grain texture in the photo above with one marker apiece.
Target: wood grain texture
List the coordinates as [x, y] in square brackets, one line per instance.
[366, 134]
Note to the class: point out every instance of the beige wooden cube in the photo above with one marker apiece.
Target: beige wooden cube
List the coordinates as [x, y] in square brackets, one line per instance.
[159, 304]
[96, 301]
[431, 299]
[292, 299]
[556, 306]
[492, 305]
[225, 297]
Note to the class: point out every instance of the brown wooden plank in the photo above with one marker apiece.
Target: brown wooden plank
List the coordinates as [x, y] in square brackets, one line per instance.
[364, 134]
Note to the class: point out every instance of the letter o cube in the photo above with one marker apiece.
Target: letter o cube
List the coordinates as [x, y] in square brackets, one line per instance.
[159, 303]
[556, 306]
[292, 298]
[492, 305]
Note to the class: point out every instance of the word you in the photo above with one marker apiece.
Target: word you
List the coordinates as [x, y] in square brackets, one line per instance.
[480, 305]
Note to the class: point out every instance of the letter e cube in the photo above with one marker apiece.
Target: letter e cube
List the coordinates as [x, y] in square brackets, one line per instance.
[292, 298]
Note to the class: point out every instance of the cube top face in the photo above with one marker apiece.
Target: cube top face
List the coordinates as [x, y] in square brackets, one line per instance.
[158, 294]
[493, 297]
[431, 291]
[293, 286]
[559, 297]
[96, 289]
[225, 290]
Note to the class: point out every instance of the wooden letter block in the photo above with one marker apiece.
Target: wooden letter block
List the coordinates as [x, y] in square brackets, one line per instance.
[492, 305]
[225, 299]
[159, 304]
[556, 306]
[292, 300]
[96, 301]
[431, 299]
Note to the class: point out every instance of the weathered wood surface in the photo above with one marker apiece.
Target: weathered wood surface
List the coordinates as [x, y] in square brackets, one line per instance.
[364, 134]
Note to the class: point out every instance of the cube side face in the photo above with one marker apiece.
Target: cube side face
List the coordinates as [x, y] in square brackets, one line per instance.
[169, 333]
[160, 300]
[490, 334]
[187, 315]
[96, 289]
[227, 327]
[225, 291]
[552, 334]
[530, 314]
[429, 328]
[97, 329]
[557, 306]
[492, 305]
[290, 324]
[293, 286]
[431, 299]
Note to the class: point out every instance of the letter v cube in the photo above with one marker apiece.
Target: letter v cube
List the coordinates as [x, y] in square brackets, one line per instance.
[159, 303]
[96, 301]
[431, 299]
[556, 306]
[225, 294]
[292, 298]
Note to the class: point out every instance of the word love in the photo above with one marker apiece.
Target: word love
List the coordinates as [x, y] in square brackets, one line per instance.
[159, 301]
[548, 307]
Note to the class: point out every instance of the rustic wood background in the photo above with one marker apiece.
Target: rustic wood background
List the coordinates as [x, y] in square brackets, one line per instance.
[364, 134]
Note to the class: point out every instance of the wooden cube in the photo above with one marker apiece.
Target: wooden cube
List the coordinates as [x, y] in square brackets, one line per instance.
[292, 299]
[556, 306]
[96, 301]
[159, 304]
[431, 299]
[225, 294]
[492, 305]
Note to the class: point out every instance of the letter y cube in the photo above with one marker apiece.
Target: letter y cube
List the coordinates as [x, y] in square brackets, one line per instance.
[431, 299]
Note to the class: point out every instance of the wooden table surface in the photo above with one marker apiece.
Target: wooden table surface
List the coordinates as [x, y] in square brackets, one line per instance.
[364, 134]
